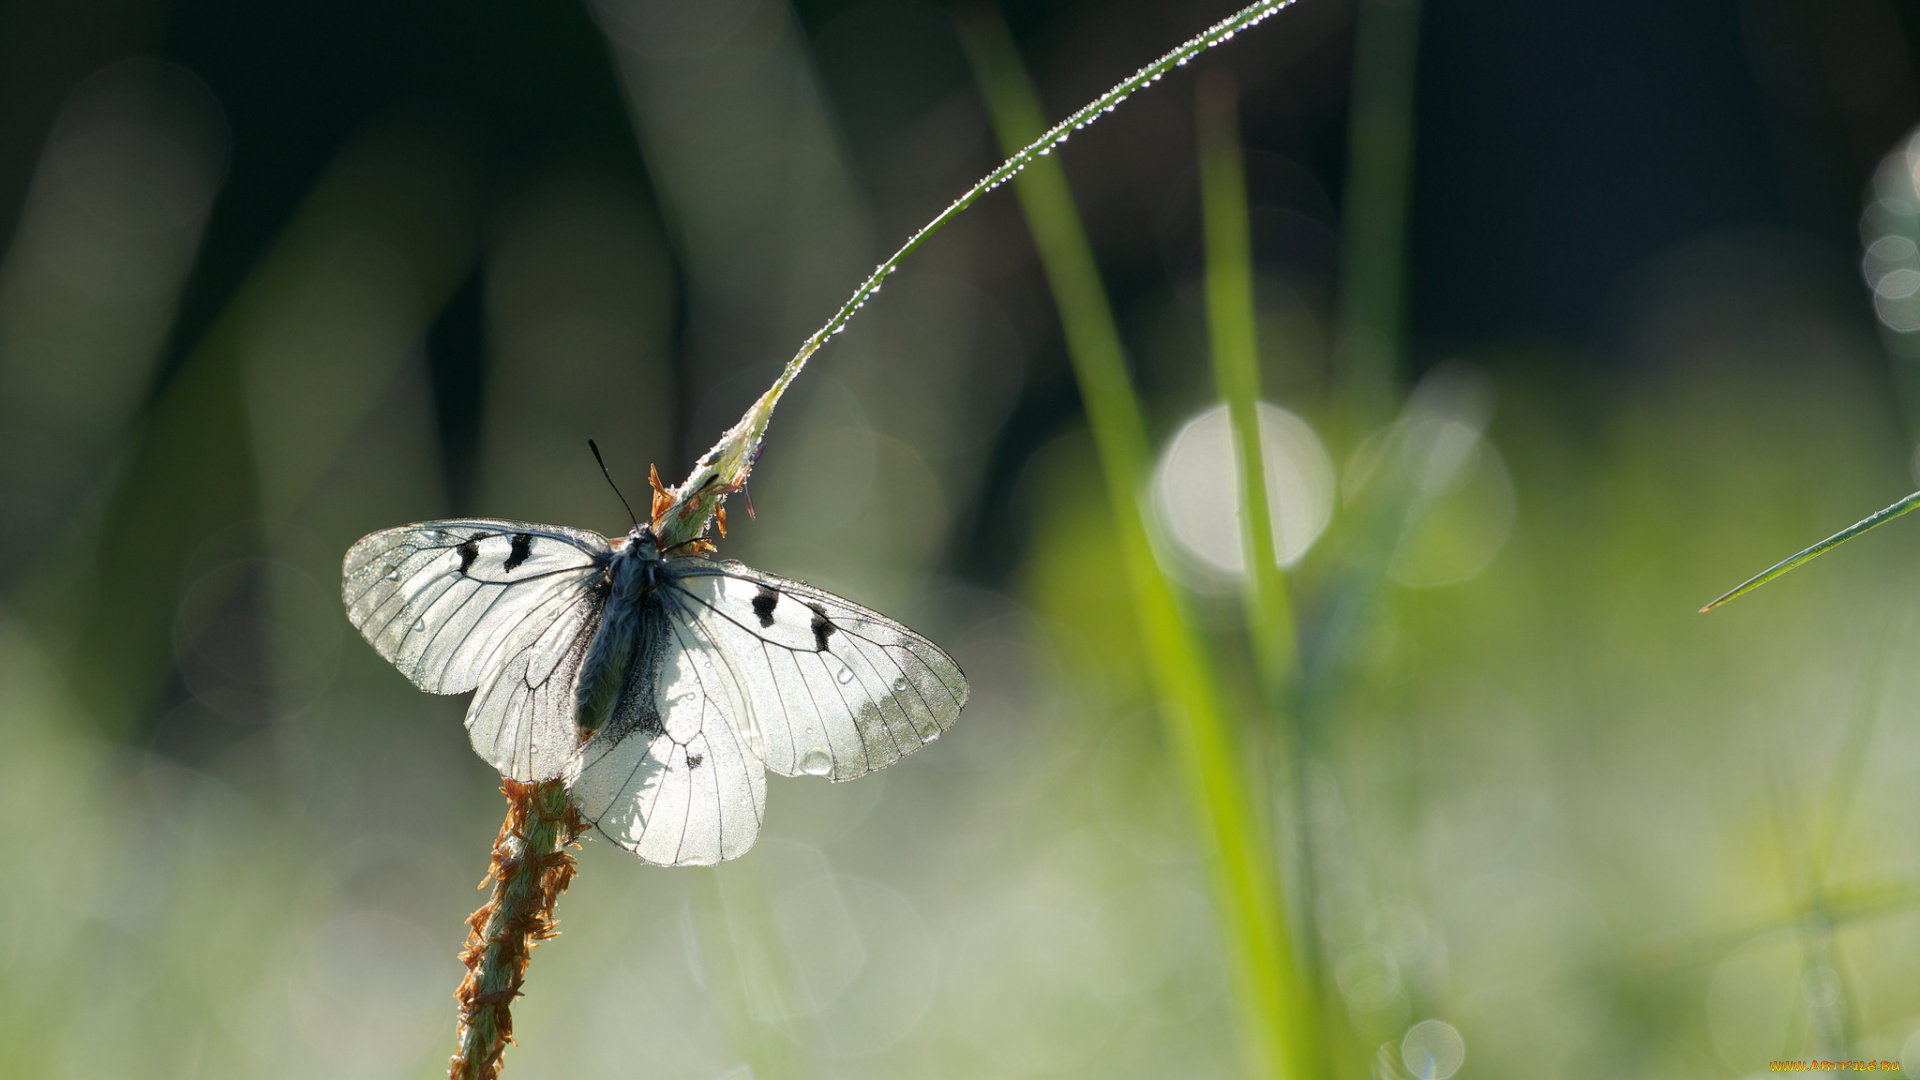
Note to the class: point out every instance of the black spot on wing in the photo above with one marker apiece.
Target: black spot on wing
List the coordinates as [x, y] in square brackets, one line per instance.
[522, 547]
[763, 603]
[469, 551]
[823, 628]
[694, 760]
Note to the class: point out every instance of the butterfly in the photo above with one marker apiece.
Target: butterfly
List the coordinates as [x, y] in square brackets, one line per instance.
[660, 686]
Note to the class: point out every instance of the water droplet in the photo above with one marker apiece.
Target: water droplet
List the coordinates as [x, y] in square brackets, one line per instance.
[929, 735]
[419, 624]
[900, 685]
[1182, 61]
[816, 763]
[393, 573]
[845, 676]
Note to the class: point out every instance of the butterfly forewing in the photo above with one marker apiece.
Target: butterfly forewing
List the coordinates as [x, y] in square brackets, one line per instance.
[442, 599]
[827, 687]
[669, 778]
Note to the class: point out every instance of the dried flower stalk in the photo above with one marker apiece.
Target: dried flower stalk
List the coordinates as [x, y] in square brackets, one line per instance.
[531, 868]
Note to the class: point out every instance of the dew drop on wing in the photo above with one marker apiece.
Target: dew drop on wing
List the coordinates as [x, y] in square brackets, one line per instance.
[419, 624]
[845, 676]
[393, 573]
[817, 762]
[900, 685]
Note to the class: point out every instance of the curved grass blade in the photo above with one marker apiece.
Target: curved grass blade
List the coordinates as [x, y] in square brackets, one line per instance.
[1834, 541]
[723, 470]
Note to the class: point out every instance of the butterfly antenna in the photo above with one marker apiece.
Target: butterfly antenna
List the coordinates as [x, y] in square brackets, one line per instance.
[610, 483]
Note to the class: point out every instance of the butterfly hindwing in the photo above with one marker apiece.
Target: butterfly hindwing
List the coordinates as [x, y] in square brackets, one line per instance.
[827, 687]
[668, 777]
[442, 599]
[522, 720]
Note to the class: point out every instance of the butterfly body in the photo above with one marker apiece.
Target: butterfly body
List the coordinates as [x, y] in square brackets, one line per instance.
[634, 573]
[662, 689]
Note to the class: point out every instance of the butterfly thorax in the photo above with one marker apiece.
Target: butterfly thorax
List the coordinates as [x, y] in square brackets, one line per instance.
[634, 574]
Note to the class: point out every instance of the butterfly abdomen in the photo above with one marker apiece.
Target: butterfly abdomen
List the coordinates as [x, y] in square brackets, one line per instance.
[603, 671]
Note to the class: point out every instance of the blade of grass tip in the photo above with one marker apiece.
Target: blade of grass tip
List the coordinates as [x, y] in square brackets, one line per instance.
[1239, 871]
[1234, 336]
[1817, 550]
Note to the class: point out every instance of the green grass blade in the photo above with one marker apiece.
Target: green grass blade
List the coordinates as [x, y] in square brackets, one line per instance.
[1234, 336]
[1380, 139]
[1240, 871]
[1236, 371]
[1818, 549]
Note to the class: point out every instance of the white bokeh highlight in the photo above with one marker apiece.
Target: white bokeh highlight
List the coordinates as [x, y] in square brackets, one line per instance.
[1890, 257]
[1196, 488]
[1433, 1050]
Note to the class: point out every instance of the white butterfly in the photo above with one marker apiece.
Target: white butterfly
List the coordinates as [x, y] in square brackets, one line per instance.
[660, 687]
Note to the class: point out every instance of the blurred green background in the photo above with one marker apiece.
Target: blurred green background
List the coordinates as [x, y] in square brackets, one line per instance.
[1580, 313]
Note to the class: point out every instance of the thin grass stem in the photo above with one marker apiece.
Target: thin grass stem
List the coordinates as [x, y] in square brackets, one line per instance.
[1234, 337]
[723, 469]
[1040, 146]
[1380, 135]
[1872, 521]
